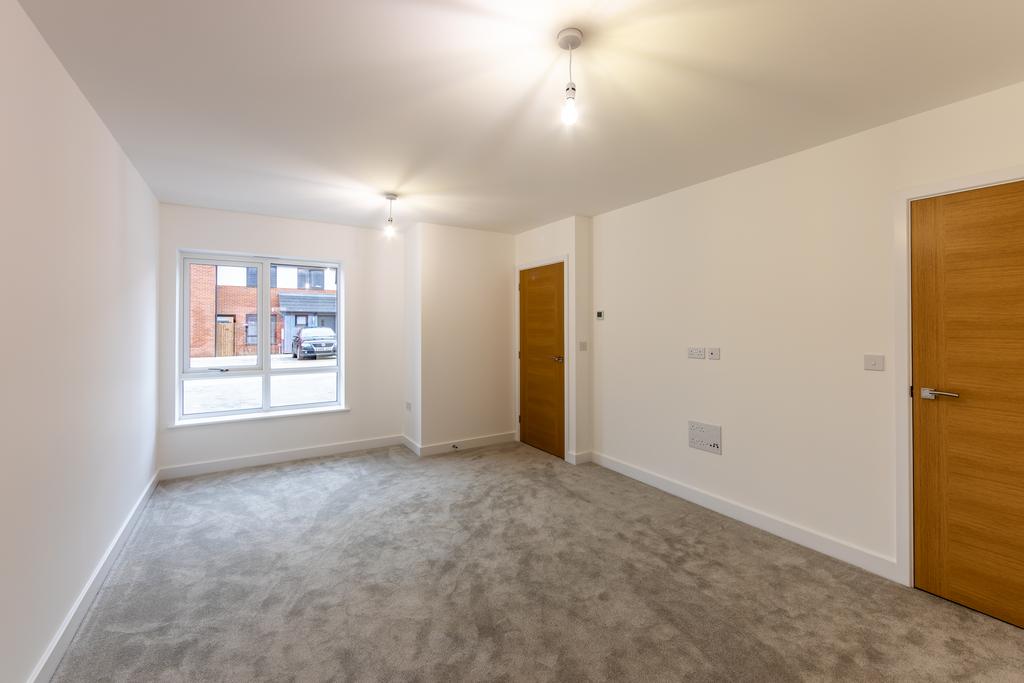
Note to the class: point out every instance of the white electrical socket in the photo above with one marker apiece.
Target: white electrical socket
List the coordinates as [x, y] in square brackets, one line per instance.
[695, 352]
[706, 437]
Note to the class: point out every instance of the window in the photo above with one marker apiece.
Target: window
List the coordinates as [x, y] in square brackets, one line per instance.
[252, 330]
[283, 356]
[316, 279]
[310, 278]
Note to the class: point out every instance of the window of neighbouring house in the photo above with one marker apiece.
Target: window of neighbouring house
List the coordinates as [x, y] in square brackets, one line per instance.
[316, 278]
[311, 278]
[254, 344]
[252, 330]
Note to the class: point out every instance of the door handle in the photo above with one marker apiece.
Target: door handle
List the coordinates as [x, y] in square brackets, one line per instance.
[929, 394]
[558, 359]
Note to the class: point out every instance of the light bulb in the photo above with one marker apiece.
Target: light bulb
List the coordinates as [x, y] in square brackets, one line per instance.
[569, 113]
[389, 228]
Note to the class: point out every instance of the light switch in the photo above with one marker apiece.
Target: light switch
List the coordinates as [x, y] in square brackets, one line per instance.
[874, 362]
[583, 346]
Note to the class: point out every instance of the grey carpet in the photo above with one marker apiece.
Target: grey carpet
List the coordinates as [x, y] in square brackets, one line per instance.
[497, 564]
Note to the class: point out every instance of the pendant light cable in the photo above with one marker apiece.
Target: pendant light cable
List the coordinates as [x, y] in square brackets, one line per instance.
[569, 39]
[389, 224]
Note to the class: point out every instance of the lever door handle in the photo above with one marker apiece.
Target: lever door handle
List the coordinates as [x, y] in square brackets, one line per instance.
[931, 394]
[558, 359]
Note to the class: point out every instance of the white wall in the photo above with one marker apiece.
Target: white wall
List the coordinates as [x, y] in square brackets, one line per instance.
[413, 425]
[794, 268]
[569, 239]
[581, 418]
[374, 272]
[467, 299]
[78, 409]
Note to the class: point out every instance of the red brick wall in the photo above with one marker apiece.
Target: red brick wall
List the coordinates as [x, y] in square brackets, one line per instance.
[207, 301]
[202, 286]
[239, 302]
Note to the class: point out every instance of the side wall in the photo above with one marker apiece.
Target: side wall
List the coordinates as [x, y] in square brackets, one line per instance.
[796, 269]
[374, 272]
[467, 299]
[78, 409]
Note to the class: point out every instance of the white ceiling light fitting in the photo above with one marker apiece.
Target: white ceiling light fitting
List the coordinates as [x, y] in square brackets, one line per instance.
[389, 224]
[570, 39]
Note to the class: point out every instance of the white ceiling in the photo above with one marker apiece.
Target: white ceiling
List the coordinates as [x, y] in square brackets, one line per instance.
[313, 108]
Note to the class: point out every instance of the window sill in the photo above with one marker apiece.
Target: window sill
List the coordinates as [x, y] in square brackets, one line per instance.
[246, 417]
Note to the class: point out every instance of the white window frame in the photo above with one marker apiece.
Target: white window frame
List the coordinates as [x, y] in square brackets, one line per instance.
[263, 367]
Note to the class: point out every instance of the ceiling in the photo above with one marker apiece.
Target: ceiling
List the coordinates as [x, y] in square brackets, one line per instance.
[314, 108]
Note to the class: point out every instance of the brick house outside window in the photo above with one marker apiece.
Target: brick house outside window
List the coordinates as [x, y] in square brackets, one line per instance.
[228, 295]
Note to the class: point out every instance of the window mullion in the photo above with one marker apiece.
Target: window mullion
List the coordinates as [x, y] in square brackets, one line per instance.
[266, 339]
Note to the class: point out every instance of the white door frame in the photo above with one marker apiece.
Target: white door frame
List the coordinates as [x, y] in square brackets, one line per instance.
[567, 343]
[903, 447]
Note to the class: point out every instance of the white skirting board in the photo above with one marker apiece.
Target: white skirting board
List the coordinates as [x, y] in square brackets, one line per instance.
[58, 646]
[274, 457]
[865, 559]
[579, 458]
[459, 445]
[340, 448]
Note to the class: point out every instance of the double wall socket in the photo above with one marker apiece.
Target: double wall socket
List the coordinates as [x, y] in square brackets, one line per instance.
[700, 353]
[706, 437]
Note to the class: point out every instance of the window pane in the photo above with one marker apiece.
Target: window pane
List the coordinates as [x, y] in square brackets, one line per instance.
[306, 305]
[251, 276]
[222, 316]
[200, 396]
[302, 388]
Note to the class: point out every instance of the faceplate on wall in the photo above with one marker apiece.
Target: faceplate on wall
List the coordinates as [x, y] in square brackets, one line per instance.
[706, 437]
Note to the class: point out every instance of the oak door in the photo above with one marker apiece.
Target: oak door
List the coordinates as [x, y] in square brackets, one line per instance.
[542, 358]
[967, 292]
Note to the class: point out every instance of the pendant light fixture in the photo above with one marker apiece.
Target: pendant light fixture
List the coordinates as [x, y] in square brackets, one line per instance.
[389, 224]
[570, 39]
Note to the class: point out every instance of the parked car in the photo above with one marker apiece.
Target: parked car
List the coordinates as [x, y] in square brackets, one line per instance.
[314, 342]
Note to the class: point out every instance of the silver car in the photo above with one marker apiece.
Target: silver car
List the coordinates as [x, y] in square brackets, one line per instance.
[314, 342]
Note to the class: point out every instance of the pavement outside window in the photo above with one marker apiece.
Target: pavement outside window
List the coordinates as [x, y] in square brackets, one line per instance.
[213, 395]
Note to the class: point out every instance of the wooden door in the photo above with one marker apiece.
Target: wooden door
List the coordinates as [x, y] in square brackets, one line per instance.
[542, 358]
[967, 265]
[225, 338]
